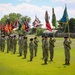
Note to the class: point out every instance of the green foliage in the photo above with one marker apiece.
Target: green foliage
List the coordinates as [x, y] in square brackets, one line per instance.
[11, 64]
[72, 25]
[12, 17]
[39, 31]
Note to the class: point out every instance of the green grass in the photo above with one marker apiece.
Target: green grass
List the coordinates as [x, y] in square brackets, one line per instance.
[11, 64]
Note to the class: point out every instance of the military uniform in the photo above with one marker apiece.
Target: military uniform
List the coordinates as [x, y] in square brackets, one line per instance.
[20, 41]
[0, 42]
[8, 43]
[35, 46]
[51, 47]
[25, 46]
[45, 50]
[31, 48]
[3, 43]
[43, 46]
[67, 48]
[14, 44]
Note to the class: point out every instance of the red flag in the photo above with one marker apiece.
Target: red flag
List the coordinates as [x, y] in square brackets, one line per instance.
[6, 28]
[10, 27]
[48, 26]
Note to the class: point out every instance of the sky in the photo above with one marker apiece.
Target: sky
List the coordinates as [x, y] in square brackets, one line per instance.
[31, 8]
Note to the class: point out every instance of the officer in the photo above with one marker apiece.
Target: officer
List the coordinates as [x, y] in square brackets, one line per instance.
[25, 46]
[35, 45]
[45, 50]
[31, 48]
[67, 49]
[14, 43]
[51, 47]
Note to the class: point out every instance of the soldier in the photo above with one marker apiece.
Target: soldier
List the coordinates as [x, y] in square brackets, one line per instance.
[20, 44]
[11, 42]
[45, 50]
[31, 47]
[51, 47]
[25, 46]
[14, 43]
[3, 43]
[35, 45]
[0, 42]
[67, 49]
[8, 43]
[43, 46]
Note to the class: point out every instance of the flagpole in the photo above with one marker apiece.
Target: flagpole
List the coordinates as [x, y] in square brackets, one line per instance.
[68, 29]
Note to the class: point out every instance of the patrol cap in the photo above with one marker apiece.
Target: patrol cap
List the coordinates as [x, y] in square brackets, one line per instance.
[51, 35]
[25, 37]
[35, 37]
[31, 39]
[14, 35]
[66, 37]
[45, 36]
[19, 34]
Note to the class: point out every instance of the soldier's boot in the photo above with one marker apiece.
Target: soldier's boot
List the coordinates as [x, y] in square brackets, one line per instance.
[45, 61]
[68, 63]
[51, 59]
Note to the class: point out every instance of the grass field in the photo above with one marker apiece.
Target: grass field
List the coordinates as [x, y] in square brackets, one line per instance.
[11, 64]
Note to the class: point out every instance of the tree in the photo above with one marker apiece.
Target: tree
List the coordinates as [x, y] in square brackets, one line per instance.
[72, 25]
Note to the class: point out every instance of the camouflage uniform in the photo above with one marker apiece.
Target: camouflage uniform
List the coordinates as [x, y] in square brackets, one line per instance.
[35, 46]
[8, 43]
[14, 43]
[31, 48]
[11, 43]
[45, 50]
[67, 48]
[0, 42]
[51, 47]
[3, 43]
[43, 46]
[25, 46]
[20, 41]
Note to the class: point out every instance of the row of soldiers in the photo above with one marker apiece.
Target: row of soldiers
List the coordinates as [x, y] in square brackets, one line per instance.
[33, 46]
[22, 43]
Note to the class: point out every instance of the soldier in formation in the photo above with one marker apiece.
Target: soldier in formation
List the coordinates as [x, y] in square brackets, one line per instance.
[43, 46]
[31, 48]
[51, 47]
[45, 50]
[25, 46]
[14, 44]
[20, 44]
[8, 43]
[35, 45]
[67, 49]
[2, 43]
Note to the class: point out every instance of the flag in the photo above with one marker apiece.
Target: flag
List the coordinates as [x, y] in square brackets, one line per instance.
[64, 18]
[17, 25]
[36, 22]
[6, 28]
[48, 26]
[10, 27]
[25, 25]
[54, 23]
